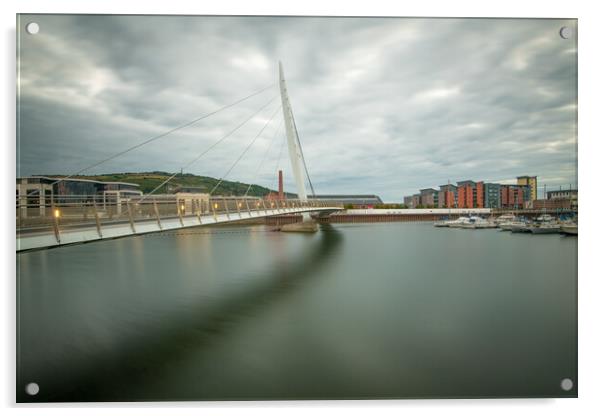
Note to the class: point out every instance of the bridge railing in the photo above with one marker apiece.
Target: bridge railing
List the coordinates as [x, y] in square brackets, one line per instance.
[54, 212]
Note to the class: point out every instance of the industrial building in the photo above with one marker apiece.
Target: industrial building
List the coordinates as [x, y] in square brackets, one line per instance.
[358, 201]
[560, 199]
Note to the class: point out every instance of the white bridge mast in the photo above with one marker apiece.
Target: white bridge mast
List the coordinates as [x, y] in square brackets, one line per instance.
[294, 147]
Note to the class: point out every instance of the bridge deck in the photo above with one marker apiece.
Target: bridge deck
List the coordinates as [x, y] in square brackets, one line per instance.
[52, 235]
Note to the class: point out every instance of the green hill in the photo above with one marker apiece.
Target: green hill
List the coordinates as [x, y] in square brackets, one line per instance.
[149, 180]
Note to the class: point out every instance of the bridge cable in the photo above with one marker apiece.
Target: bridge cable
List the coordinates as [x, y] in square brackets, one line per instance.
[245, 150]
[303, 157]
[264, 158]
[209, 148]
[181, 126]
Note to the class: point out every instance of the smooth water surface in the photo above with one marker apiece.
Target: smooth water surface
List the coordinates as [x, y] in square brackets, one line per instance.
[386, 310]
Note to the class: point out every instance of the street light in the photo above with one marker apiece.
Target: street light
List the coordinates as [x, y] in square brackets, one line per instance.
[57, 213]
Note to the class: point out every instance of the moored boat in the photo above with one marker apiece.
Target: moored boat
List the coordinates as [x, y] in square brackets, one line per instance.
[519, 227]
[544, 224]
[569, 229]
[458, 223]
[545, 228]
[507, 226]
[505, 218]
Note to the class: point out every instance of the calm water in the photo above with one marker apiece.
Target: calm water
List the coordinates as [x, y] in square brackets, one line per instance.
[354, 311]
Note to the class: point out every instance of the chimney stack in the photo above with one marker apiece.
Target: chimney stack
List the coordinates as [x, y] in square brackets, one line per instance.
[280, 186]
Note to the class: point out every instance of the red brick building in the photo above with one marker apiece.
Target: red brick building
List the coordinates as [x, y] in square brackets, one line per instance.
[480, 196]
[447, 196]
[552, 204]
[514, 196]
[466, 194]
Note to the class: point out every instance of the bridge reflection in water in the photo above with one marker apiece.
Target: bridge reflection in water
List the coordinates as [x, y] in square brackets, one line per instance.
[113, 372]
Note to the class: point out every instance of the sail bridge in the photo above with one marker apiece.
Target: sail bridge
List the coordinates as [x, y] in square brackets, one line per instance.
[46, 219]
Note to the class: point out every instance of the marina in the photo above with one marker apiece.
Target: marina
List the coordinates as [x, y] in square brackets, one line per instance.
[544, 224]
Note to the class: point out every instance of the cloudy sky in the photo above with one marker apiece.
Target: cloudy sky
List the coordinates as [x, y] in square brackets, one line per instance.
[382, 105]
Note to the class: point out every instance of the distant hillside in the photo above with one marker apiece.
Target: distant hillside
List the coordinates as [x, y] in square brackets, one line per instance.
[149, 180]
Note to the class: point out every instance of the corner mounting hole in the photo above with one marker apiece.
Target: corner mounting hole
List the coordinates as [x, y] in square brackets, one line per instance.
[32, 389]
[566, 384]
[32, 28]
[566, 32]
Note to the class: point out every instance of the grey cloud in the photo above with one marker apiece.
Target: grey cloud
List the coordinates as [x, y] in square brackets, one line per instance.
[383, 106]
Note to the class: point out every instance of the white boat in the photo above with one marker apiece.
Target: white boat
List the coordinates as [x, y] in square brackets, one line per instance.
[507, 226]
[478, 223]
[517, 224]
[519, 227]
[545, 224]
[443, 223]
[569, 229]
[505, 218]
[458, 223]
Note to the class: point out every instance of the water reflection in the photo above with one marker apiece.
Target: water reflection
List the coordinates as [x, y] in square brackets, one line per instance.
[109, 376]
[360, 311]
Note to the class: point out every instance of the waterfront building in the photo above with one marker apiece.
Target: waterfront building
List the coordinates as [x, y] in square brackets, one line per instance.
[407, 201]
[466, 194]
[470, 194]
[429, 197]
[57, 187]
[531, 182]
[480, 195]
[491, 195]
[559, 204]
[37, 193]
[564, 194]
[415, 201]
[515, 196]
[447, 196]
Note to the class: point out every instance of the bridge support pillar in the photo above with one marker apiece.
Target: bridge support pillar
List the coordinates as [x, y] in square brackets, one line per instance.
[238, 204]
[213, 210]
[156, 208]
[226, 208]
[97, 219]
[55, 224]
[131, 217]
[248, 209]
